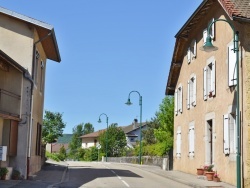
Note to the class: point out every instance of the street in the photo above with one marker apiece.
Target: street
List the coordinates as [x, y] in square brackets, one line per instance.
[89, 174]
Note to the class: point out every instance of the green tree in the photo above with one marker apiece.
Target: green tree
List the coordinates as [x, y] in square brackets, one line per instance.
[88, 128]
[62, 153]
[165, 115]
[158, 138]
[76, 141]
[53, 126]
[116, 141]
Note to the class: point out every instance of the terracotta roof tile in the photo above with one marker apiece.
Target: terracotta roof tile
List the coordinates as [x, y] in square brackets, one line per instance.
[240, 8]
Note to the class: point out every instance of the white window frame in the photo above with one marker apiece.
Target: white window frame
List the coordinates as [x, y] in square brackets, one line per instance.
[178, 99]
[191, 52]
[230, 134]
[191, 139]
[191, 92]
[209, 79]
[232, 68]
[178, 142]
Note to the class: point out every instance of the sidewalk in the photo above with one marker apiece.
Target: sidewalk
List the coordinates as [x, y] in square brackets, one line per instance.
[181, 177]
[51, 174]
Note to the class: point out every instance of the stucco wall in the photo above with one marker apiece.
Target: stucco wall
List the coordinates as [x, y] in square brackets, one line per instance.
[246, 106]
[17, 41]
[214, 108]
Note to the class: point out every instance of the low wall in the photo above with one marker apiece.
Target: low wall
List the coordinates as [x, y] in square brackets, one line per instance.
[146, 160]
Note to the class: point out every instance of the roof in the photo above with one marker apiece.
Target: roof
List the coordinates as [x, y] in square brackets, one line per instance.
[64, 139]
[93, 135]
[235, 9]
[45, 31]
[130, 128]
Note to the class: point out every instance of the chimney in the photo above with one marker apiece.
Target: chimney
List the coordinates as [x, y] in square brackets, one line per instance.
[135, 123]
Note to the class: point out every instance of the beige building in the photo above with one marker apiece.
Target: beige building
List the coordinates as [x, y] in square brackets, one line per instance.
[25, 45]
[204, 87]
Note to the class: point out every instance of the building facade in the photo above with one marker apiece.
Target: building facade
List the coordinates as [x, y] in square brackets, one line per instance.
[204, 86]
[26, 44]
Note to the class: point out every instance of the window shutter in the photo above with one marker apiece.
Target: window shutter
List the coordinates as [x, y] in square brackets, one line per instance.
[232, 135]
[204, 35]
[191, 141]
[13, 138]
[176, 102]
[189, 55]
[213, 78]
[226, 134]
[194, 91]
[188, 96]
[205, 84]
[232, 68]
[195, 49]
[180, 99]
[178, 143]
[212, 31]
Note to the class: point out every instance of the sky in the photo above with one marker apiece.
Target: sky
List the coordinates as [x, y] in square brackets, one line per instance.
[108, 49]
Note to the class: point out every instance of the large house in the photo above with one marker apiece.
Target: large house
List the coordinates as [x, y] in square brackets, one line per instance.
[25, 45]
[204, 86]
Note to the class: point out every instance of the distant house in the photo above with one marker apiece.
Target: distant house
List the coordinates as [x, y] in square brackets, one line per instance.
[62, 141]
[91, 139]
[132, 132]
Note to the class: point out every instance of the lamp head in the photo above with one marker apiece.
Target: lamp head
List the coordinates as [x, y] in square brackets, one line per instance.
[208, 46]
[99, 120]
[128, 102]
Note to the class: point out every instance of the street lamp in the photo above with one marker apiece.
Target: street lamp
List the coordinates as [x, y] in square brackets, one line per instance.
[106, 139]
[140, 103]
[208, 47]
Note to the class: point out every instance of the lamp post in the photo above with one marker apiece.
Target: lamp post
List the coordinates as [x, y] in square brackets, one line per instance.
[140, 103]
[106, 139]
[208, 47]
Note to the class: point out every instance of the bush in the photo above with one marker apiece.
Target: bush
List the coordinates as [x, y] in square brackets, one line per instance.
[53, 156]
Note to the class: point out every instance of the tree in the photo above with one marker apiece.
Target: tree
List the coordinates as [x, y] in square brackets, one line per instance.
[116, 141]
[76, 141]
[165, 115]
[53, 126]
[88, 128]
[158, 138]
[62, 153]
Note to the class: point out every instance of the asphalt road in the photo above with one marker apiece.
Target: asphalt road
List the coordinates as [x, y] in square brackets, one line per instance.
[94, 175]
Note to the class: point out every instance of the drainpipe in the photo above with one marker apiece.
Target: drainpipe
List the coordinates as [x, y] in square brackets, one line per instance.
[31, 100]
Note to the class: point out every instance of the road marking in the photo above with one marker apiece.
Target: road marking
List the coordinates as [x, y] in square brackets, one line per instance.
[125, 183]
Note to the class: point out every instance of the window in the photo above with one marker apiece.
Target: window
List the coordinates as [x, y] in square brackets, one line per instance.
[37, 56]
[191, 53]
[212, 31]
[178, 100]
[38, 139]
[232, 68]
[42, 76]
[191, 139]
[178, 142]
[191, 92]
[229, 134]
[209, 80]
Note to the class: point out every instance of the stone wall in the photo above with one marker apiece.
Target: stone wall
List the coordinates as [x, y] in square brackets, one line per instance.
[162, 162]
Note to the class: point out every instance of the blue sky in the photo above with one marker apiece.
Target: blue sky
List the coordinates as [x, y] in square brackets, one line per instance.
[108, 48]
